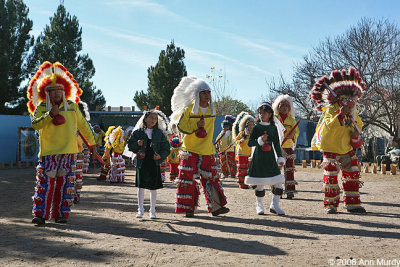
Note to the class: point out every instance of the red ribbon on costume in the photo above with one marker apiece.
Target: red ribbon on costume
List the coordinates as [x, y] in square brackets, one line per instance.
[91, 149]
[291, 131]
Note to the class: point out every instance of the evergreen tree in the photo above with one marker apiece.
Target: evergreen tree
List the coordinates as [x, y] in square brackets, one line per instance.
[62, 41]
[15, 43]
[162, 79]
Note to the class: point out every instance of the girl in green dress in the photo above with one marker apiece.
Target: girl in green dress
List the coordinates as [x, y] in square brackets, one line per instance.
[264, 169]
[151, 147]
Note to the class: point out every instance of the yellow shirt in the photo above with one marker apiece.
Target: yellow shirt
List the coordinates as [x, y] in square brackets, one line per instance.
[99, 138]
[242, 147]
[335, 137]
[188, 125]
[60, 139]
[289, 123]
[119, 148]
[225, 142]
[80, 143]
[173, 156]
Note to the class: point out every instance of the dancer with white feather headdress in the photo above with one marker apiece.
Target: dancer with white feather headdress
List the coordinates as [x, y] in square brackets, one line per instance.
[194, 115]
[241, 130]
[284, 112]
[226, 147]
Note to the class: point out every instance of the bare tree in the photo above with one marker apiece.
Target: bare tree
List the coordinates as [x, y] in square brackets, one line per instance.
[222, 92]
[373, 48]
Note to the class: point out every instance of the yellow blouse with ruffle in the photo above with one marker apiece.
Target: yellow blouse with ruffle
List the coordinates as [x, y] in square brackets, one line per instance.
[242, 146]
[289, 123]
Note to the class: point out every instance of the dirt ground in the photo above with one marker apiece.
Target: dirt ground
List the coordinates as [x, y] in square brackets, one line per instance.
[102, 229]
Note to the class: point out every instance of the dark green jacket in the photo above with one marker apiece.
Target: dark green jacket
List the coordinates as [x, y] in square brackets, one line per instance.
[160, 144]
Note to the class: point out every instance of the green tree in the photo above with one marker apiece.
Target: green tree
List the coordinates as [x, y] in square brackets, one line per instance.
[226, 105]
[162, 80]
[62, 41]
[15, 43]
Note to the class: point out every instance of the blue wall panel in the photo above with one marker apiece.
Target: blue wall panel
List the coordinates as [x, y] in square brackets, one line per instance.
[9, 135]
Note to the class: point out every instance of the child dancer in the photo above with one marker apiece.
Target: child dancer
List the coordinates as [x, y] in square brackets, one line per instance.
[151, 146]
[226, 148]
[173, 157]
[115, 140]
[105, 169]
[283, 109]
[264, 168]
[241, 131]
[175, 141]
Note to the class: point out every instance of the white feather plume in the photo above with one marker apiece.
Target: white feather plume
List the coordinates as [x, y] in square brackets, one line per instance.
[183, 96]
[278, 100]
[85, 110]
[35, 93]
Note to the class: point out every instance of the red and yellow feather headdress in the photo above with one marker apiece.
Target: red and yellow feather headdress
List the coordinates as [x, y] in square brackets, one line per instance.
[51, 76]
[342, 82]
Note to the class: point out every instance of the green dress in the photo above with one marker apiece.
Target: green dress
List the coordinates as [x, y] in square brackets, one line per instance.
[263, 169]
[148, 173]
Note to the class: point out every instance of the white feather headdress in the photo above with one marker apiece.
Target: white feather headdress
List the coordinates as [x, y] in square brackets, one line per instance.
[278, 100]
[163, 121]
[186, 93]
[85, 110]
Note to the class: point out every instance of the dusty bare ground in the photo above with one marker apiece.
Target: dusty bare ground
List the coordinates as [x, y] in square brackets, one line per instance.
[102, 229]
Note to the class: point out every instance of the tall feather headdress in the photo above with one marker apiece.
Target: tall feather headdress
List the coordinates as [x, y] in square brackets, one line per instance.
[240, 123]
[278, 100]
[344, 82]
[186, 93]
[51, 75]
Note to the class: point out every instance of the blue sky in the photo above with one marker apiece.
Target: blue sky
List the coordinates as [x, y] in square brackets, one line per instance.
[250, 40]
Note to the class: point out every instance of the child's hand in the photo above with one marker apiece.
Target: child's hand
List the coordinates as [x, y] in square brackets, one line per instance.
[265, 138]
[156, 156]
[140, 142]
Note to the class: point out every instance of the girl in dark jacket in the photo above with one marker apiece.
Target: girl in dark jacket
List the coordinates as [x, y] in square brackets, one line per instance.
[151, 148]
